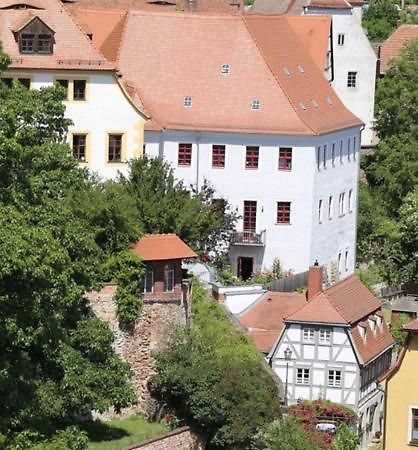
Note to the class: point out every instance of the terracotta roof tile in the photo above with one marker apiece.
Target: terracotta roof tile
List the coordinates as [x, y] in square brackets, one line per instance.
[393, 45]
[314, 33]
[72, 48]
[155, 247]
[374, 343]
[411, 326]
[265, 320]
[5, 4]
[318, 310]
[330, 4]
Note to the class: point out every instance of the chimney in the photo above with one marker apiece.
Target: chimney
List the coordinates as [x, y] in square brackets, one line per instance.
[314, 280]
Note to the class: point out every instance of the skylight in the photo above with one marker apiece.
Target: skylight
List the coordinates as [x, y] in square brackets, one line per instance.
[301, 69]
[314, 103]
[301, 104]
[187, 101]
[286, 71]
[225, 69]
[256, 104]
[329, 101]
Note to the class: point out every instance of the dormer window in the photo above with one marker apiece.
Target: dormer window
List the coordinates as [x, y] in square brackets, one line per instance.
[35, 37]
[256, 105]
[187, 101]
[225, 69]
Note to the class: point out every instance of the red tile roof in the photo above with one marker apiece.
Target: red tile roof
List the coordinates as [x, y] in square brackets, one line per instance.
[264, 321]
[330, 4]
[168, 66]
[411, 326]
[393, 45]
[72, 48]
[156, 247]
[314, 33]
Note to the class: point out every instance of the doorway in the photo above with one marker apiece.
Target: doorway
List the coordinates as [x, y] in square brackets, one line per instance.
[245, 267]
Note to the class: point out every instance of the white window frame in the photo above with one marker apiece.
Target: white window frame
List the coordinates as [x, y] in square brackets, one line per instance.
[350, 201]
[169, 277]
[308, 334]
[330, 207]
[352, 79]
[320, 211]
[324, 335]
[187, 101]
[332, 379]
[256, 105]
[148, 277]
[341, 204]
[305, 376]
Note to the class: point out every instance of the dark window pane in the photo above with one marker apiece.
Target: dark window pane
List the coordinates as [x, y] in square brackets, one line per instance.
[79, 90]
[115, 148]
[79, 146]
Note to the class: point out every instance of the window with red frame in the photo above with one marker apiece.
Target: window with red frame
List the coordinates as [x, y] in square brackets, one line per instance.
[251, 158]
[285, 159]
[218, 156]
[283, 212]
[185, 155]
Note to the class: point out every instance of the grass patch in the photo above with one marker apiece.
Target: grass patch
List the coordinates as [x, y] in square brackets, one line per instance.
[119, 433]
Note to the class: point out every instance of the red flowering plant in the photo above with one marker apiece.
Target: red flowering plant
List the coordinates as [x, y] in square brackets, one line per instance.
[310, 413]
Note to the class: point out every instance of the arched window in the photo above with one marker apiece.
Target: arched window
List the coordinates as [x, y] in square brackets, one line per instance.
[169, 278]
[147, 282]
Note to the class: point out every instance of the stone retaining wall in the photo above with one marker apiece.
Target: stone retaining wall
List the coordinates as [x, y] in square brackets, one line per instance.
[180, 439]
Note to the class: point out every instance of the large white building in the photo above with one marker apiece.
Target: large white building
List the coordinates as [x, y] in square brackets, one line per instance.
[46, 46]
[238, 101]
[351, 66]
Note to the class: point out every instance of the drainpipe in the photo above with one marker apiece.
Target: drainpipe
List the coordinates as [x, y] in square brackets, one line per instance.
[198, 136]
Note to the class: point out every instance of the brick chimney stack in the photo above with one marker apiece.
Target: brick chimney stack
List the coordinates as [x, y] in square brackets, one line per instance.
[314, 280]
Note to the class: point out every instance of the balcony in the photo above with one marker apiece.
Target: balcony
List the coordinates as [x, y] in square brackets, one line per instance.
[249, 238]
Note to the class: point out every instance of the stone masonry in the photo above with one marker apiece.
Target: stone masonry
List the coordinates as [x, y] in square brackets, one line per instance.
[180, 439]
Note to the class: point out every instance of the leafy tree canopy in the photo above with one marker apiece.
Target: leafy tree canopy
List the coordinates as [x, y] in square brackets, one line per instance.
[212, 377]
[380, 19]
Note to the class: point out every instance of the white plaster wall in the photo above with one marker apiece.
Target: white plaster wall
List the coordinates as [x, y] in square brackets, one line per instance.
[296, 245]
[337, 234]
[106, 110]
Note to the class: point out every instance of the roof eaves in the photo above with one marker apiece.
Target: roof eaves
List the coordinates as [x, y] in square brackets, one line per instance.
[337, 324]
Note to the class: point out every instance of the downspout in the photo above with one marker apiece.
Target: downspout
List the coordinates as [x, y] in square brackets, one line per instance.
[198, 136]
[332, 50]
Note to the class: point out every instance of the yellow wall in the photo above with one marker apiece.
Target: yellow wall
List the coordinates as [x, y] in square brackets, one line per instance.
[401, 395]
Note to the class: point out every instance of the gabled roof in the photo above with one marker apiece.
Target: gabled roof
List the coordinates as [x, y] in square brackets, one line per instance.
[393, 45]
[411, 326]
[297, 6]
[265, 320]
[156, 247]
[29, 4]
[72, 48]
[318, 310]
[267, 62]
[27, 19]
[329, 4]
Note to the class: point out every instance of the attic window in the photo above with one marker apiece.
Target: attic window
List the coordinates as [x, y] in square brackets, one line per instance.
[187, 101]
[35, 37]
[314, 103]
[329, 101]
[256, 104]
[301, 69]
[362, 331]
[286, 71]
[372, 325]
[302, 105]
[225, 69]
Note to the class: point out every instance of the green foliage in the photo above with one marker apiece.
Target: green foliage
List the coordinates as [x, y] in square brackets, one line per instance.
[397, 332]
[212, 377]
[4, 60]
[165, 205]
[380, 19]
[285, 434]
[345, 439]
[370, 275]
[56, 358]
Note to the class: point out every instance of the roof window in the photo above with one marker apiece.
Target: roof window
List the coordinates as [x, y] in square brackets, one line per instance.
[301, 69]
[362, 330]
[35, 37]
[256, 104]
[329, 101]
[187, 101]
[286, 71]
[225, 69]
[302, 105]
[314, 103]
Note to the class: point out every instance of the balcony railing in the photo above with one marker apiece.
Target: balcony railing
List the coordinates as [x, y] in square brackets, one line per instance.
[249, 238]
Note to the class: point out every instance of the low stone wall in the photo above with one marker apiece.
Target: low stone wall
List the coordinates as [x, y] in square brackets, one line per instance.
[180, 439]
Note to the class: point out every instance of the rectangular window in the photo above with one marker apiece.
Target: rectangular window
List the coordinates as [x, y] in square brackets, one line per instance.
[302, 376]
[318, 157]
[285, 158]
[79, 146]
[340, 39]
[185, 155]
[44, 43]
[341, 151]
[324, 157]
[414, 426]
[24, 82]
[320, 211]
[349, 149]
[308, 334]
[351, 79]
[334, 378]
[354, 147]
[283, 212]
[325, 336]
[330, 207]
[333, 154]
[79, 90]
[64, 84]
[147, 282]
[27, 41]
[7, 81]
[250, 215]
[251, 157]
[339, 262]
[346, 260]
[218, 156]
[341, 204]
[350, 200]
[169, 279]
[114, 151]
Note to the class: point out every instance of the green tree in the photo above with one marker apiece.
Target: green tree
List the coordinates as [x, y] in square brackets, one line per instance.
[380, 19]
[285, 434]
[397, 331]
[56, 357]
[213, 378]
[165, 205]
[345, 439]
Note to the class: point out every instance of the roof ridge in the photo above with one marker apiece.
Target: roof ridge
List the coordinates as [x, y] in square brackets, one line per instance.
[274, 75]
